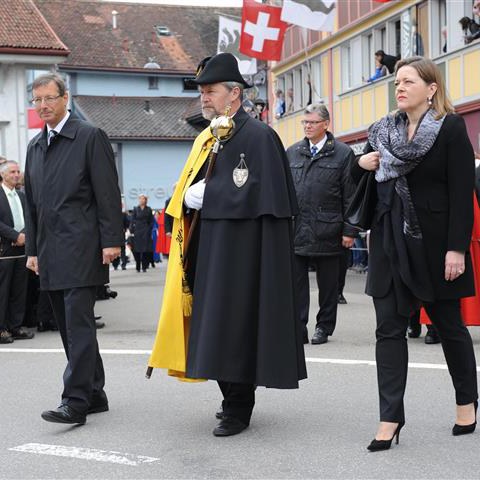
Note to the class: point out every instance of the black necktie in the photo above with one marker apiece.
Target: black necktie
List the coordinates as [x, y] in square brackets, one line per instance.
[52, 134]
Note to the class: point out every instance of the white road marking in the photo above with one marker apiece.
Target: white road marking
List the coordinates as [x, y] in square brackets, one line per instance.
[335, 361]
[85, 454]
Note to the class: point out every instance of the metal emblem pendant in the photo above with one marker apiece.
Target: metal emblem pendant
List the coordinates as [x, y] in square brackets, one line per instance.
[240, 172]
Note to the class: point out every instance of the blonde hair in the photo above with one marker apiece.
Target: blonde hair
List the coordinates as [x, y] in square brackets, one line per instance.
[429, 72]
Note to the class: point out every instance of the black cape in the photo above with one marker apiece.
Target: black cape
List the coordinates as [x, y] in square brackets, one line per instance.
[244, 326]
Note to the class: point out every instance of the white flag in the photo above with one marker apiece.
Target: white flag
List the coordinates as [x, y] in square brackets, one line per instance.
[229, 32]
[312, 14]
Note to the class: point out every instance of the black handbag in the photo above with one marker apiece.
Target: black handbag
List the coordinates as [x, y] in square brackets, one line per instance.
[360, 211]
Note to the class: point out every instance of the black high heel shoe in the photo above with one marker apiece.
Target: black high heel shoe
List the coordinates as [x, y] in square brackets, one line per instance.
[378, 445]
[464, 429]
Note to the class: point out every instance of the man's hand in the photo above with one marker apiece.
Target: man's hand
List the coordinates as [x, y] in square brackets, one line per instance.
[110, 254]
[32, 264]
[20, 242]
[347, 242]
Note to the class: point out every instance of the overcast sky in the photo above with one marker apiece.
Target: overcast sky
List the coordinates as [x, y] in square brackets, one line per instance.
[211, 3]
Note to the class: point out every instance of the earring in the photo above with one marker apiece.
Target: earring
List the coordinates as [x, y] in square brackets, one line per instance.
[429, 100]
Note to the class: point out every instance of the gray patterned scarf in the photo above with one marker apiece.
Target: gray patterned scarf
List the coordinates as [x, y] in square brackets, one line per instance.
[399, 156]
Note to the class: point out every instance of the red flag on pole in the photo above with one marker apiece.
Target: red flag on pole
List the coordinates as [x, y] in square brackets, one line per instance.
[263, 31]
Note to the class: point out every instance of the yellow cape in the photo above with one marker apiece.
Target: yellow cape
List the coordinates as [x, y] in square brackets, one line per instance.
[170, 347]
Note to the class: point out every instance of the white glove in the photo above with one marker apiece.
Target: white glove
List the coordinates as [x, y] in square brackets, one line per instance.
[194, 195]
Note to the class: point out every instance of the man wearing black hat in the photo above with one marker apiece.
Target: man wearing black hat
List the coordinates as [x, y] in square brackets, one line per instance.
[243, 330]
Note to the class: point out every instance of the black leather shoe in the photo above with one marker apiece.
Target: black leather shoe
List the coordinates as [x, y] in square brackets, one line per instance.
[341, 299]
[22, 334]
[219, 413]
[99, 325]
[229, 426]
[64, 414]
[319, 337]
[432, 337]
[5, 337]
[414, 331]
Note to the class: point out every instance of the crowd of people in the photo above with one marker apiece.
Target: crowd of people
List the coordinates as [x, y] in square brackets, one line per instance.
[247, 220]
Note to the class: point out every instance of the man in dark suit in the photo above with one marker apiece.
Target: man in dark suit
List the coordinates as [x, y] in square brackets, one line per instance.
[13, 274]
[74, 231]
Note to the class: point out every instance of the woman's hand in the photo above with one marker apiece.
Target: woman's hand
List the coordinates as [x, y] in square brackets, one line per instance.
[454, 265]
[369, 161]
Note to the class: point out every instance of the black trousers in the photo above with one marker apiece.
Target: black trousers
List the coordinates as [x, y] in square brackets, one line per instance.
[122, 257]
[142, 259]
[84, 377]
[13, 292]
[238, 400]
[392, 353]
[345, 262]
[327, 271]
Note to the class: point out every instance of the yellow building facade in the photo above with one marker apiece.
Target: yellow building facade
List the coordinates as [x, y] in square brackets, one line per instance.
[333, 68]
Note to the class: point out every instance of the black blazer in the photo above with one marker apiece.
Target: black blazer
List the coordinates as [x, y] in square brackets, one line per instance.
[8, 234]
[442, 188]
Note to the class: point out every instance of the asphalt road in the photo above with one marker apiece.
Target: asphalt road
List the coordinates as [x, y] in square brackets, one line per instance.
[161, 428]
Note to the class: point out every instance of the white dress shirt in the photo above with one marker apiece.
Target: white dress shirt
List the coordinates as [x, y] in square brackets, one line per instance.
[320, 144]
[58, 127]
[15, 207]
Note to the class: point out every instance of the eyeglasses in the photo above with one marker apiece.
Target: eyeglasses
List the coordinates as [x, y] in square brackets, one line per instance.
[37, 101]
[311, 122]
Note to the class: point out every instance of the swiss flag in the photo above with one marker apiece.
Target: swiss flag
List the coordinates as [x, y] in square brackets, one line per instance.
[34, 121]
[262, 31]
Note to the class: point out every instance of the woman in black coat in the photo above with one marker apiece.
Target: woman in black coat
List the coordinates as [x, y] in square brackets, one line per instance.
[419, 240]
[141, 228]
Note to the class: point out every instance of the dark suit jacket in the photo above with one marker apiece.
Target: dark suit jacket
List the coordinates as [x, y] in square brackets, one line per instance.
[8, 234]
[73, 205]
[442, 192]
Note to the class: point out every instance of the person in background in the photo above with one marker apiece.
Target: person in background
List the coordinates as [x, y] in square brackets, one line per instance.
[380, 71]
[471, 29]
[279, 104]
[141, 225]
[13, 273]
[388, 61]
[123, 256]
[321, 235]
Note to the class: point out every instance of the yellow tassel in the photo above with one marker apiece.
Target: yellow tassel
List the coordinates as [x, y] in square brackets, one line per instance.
[187, 299]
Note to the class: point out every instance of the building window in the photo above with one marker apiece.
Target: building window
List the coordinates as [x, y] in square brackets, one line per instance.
[289, 97]
[189, 85]
[298, 88]
[346, 67]
[153, 83]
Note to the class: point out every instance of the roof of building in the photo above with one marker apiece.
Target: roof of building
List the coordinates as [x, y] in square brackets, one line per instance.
[23, 27]
[86, 27]
[139, 118]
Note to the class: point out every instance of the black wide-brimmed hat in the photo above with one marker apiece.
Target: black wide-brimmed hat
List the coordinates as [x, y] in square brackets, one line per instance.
[220, 68]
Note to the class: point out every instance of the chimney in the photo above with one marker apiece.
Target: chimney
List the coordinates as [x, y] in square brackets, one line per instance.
[114, 19]
[147, 108]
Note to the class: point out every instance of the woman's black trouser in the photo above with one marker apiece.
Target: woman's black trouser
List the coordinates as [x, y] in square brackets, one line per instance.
[392, 353]
[142, 259]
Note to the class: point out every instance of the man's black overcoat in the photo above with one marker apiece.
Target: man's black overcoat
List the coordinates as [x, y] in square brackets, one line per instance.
[73, 205]
[244, 325]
